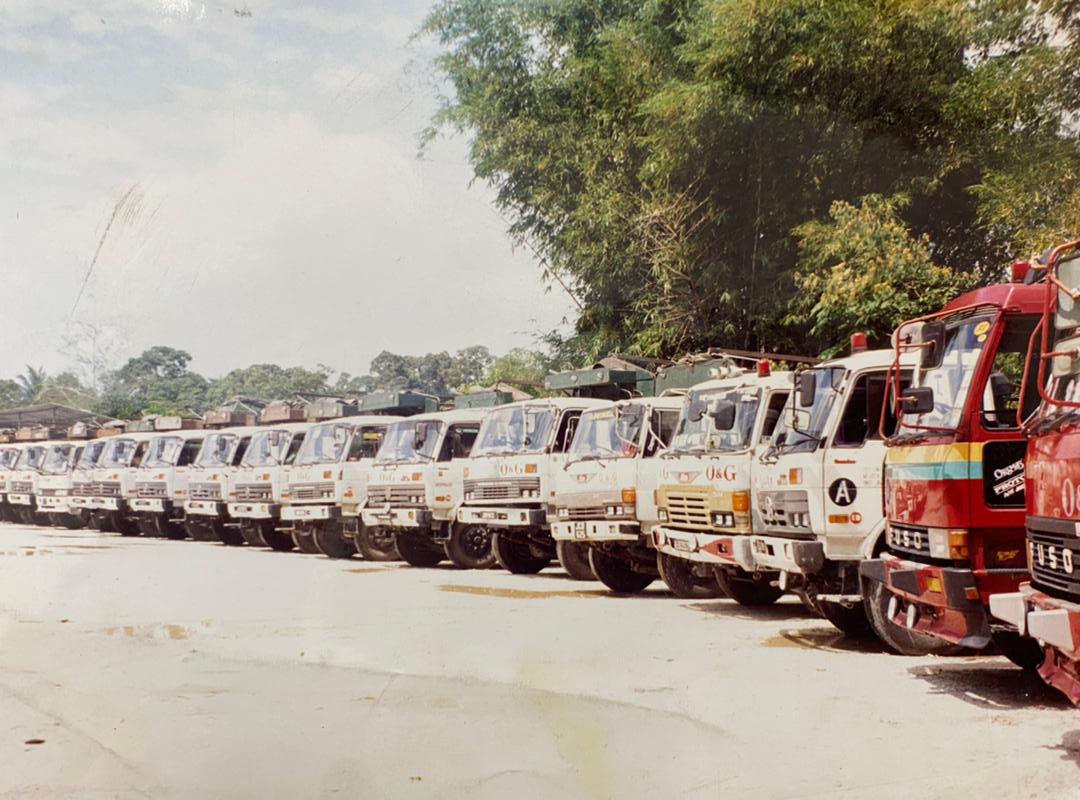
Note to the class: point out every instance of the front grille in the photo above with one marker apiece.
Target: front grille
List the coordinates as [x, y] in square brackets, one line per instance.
[510, 489]
[311, 491]
[587, 512]
[49, 492]
[1055, 556]
[908, 540]
[785, 512]
[251, 492]
[397, 496]
[109, 488]
[204, 491]
[21, 487]
[83, 489]
[151, 489]
[685, 508]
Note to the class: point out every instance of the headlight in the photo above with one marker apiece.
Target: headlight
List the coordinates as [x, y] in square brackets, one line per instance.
[661, 514]
[469, 495]
[61, 492]
[612, 510]
[563, 513]
[723, 519]
[948, 543]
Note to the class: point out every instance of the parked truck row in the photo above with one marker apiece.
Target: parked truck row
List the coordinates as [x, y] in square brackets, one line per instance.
[927, 493]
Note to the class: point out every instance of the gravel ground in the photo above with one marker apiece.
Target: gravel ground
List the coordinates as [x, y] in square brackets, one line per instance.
[136, 667]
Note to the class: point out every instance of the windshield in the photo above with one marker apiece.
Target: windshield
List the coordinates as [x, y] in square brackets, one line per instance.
[267, 449]
[217, 450]
[56, 459]
[90, 454]
[118, 453]
[801, 429]
[325, 444]
[163, 452]
[8, 458]
[701, 435]
[951, 380]
[518, 429]
[400, 444]
[31, 457]
[608, 433]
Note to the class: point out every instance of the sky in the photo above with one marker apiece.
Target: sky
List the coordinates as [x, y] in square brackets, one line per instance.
[241, 180]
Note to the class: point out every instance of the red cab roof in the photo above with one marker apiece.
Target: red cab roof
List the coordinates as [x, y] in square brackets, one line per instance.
[1024, 298]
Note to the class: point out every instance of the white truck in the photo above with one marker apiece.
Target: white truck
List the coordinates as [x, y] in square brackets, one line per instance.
[818, 486]
[112, 484]
[415, 484]
[256, 484]
[80, 497]
[206, 516]
[508, 481]
[55, 483]
[703, 484]
[161, 478]
[22, 483]
[598, 501]
[9, 456]
[329, 476]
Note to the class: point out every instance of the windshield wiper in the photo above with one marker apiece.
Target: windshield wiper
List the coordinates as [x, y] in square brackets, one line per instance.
[587, 457]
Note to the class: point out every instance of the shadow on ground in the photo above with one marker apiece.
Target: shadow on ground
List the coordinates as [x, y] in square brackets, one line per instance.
[992, 684]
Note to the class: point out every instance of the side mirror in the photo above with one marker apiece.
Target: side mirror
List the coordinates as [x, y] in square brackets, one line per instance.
[696, 411]
[1068, 310]
[917, 400]
[419, 437]
[933, 341]
[723, 414]
[807, 388]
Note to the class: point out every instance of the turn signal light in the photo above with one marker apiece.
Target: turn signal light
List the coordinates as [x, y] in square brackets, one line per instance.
[530, 468]
[417, 476]
[933, 584]
[794, 475]
[839, 519]
[740, 501]
[629, 496]
[950, 543]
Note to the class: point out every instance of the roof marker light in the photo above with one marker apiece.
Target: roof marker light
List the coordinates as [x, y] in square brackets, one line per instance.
[859, 343]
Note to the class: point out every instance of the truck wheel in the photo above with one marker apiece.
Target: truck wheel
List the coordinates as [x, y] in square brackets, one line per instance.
[148, 526]
[574, 558]
[281, 541]
[1024, 652]
[469, 547]
[895, 637]
[102, 521]
[852, 619]
[681, 576]
[252, 532]
[747, 591]
[417, 550]
[304, 538]
[198, 530]
[376, 544]
[125, 526]
[517, 557]
[616, 573]
[331, 543]
[226, 534]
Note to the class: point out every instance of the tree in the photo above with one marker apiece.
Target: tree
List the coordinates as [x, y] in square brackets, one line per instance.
[159, 376]
[267, 382]
[31, 383]
[520, 367]
[11, 394]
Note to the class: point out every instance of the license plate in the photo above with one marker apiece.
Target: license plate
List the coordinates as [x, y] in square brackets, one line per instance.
[681, 544]
[579, 530]
[108, 502]
[319, 512]
[19, 499]
[489, 515]
[150, 505]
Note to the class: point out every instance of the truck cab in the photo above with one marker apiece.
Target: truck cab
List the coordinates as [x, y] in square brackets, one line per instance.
[80, 496]
[328, 473]
[509, 478]
[161, 479]
[415, 483]
[113, 483]
[9, 456]
[55, 483]
[703, 486]
[206, 517]
[818, 485]
[257, 482]
[597, 498]
[23, 480]
[1046, 607]
[954, 477]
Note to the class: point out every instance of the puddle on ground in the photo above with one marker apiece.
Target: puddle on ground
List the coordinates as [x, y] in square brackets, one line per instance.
[828, 639]
[167, 631]
[34, 741]
[520, 594]
[63, 549]
[364, 570]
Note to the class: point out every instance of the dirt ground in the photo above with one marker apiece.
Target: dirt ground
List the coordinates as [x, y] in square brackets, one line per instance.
[147, 668]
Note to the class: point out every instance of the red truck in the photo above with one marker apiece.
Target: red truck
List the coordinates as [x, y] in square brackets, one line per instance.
[954, 476]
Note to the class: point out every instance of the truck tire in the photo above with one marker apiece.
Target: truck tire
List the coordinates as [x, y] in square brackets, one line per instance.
[148, 526]
[227, 534]
[278, 540]
[747, 591]
[304, 538]
[680, 576]
[330, 541]
[72, 522]
[469, 547]
[616, 573]
[252, 532]
[574, 558]
[102, 521]
[376, 544]
[852, 619]
[417, 550]
[1026, 653]
[199, 530]
[124, 525]
[517, 557]
[895, 637]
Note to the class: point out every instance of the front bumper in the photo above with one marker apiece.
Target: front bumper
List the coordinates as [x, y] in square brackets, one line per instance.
[396, 517]
[81, 502]
[947, 599]
[106, 503]
[1055, 623]
[596, 531]
[151, 505]
[507, 516]
[204, 508]
[312, 512]
[254, 510]
[20, 499]
[705, 548]
[777, 554]
[55, 505]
